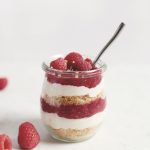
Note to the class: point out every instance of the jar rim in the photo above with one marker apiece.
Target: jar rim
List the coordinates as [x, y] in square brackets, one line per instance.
[100, 67]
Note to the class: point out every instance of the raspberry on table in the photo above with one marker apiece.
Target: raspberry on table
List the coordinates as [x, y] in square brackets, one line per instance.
[3, 82]
[5, 142]
[59, 64]
[28, 136]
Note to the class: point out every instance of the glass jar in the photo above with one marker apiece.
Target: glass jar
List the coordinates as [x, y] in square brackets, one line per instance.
[72, 102]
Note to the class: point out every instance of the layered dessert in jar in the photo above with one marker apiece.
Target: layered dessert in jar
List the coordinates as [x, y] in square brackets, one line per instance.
[72, 99]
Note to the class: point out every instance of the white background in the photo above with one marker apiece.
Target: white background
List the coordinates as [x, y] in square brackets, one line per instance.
[32, 30]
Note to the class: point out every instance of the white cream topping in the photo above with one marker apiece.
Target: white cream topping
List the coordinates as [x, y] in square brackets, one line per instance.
[55, 89]
[56, 122]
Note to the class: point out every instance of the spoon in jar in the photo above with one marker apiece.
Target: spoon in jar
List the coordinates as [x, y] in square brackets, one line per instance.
[119, 29]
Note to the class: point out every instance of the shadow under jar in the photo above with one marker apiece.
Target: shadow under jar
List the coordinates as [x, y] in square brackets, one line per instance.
[73, 102]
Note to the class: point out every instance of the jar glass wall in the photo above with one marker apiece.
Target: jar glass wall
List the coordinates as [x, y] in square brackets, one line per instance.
[73, 102]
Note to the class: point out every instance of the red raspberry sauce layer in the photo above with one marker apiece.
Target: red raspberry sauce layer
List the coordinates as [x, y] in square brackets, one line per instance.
[75, 111]
[89, 82]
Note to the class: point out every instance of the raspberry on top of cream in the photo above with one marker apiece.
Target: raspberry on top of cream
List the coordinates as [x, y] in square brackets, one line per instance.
[73, 61]
[83, 72]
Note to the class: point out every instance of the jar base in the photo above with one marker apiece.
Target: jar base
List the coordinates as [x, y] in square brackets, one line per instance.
[72, 135]
[57, 138]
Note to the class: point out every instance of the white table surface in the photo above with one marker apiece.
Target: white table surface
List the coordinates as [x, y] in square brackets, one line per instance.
[31, 30]
[127, 123]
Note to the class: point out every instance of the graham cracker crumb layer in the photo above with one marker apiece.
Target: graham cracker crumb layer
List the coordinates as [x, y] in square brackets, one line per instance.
[69, 100]
[73, 134]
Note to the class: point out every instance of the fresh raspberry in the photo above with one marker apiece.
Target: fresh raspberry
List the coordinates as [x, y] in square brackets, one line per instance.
[5, 142]
[59, 64]
[3, 83]
[89, 60]
[28, 136]
[83, 66]
[72, 59]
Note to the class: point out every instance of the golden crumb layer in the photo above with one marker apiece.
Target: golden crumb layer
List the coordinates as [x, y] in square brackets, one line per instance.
[69, 100]
[73, 134]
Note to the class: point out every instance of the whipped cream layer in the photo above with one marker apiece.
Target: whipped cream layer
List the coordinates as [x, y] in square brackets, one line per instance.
[55, 89]
[56, 122]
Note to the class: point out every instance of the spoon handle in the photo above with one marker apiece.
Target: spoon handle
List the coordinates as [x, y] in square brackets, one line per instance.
[109, 42]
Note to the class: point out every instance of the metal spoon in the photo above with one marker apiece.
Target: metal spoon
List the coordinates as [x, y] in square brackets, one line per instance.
[109, 42]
